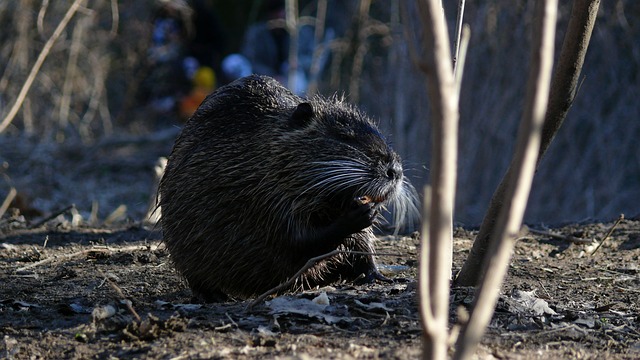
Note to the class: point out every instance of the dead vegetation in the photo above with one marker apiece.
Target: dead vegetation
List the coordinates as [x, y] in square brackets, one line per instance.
[588, 172]
[45, 166]
[57, 301]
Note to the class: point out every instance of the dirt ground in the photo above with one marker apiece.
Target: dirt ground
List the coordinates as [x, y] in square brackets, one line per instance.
[76, 292]
[92, 282]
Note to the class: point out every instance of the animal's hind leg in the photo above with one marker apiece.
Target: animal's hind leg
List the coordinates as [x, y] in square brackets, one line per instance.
[202, 294]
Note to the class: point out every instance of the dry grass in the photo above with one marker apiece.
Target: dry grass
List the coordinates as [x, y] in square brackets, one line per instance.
[86, 89]
[80, 88]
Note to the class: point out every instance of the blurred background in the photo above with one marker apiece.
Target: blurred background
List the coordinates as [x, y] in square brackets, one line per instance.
[119, 82]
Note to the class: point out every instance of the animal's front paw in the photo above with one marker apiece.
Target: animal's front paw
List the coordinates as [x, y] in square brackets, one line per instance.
[360, 216]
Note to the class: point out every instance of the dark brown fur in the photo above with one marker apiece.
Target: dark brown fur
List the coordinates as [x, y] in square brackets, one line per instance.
[260, 180]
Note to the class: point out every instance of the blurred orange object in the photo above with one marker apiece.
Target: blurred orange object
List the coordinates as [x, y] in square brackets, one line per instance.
[204, 81]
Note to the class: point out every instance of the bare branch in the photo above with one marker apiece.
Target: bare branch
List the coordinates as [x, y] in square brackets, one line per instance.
[579, 30]
[459, 21]
[436, 250]
[519, 182]
[564, 85]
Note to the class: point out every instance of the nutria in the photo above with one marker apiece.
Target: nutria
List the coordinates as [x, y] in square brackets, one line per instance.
[260, 180]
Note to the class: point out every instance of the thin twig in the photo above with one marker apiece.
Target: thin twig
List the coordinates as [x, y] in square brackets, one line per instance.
[411, 38]
[62, 258]
[362, 49]
[291, 10]
[39, 61]
[115, 19]
[41, 13]
[320, 21]
[7, 201]
[118, 291]
[458, 69]
[570, 327]
[628, 289]
[52, 216]
[608, 233]
[308, 265]
[459, 20]
[320, 46]
[570, 238]
[95, 99]
[545, 290]
[116, 215]
[70, 78]
[231, 320]
[100, 250]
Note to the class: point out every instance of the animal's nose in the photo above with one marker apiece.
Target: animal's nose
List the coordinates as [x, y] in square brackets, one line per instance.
[394, 171]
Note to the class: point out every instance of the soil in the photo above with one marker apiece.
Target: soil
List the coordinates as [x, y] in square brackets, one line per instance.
[113, 293]
[77, 286]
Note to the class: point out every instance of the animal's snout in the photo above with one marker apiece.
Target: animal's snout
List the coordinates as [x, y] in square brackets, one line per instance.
[394, 171]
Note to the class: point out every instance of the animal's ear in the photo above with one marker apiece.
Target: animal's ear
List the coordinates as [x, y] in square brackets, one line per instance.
[301, 115]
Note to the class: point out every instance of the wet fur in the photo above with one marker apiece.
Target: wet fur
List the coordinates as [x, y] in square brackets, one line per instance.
[259, 175]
